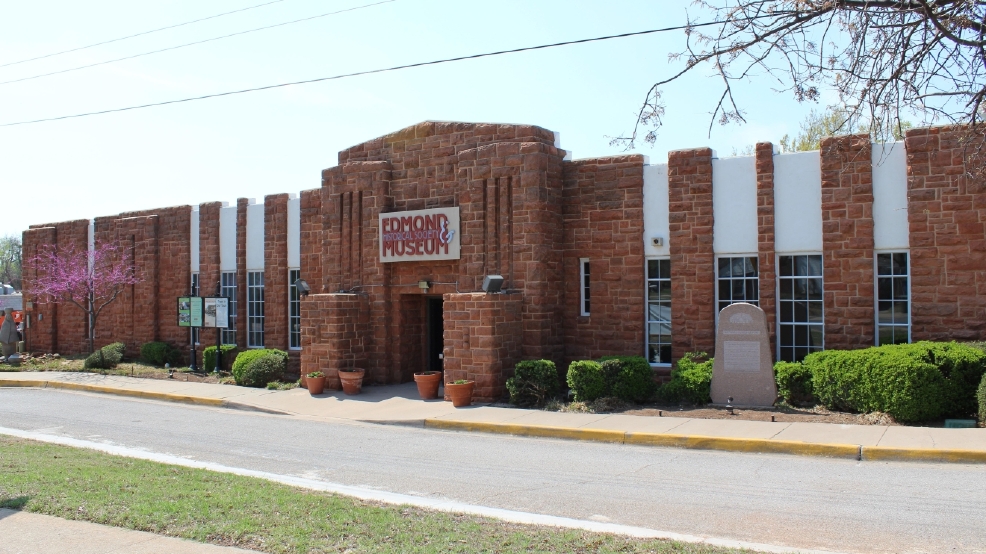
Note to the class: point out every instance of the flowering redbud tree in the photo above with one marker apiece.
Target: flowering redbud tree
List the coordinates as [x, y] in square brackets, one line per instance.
[89, 279]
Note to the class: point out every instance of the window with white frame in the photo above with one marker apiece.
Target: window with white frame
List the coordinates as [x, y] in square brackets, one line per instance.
[294, 310]
[738, 281]
[195, 292]
[227, 281]
[800, 307]
[584, 286]
[659, 311]
[893, 314]
[255, 309]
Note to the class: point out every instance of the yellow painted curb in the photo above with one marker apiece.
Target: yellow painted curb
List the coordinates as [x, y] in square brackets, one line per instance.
[21, 383]
[886, 453]
[165, 396]
[600, 435]
[850, 451]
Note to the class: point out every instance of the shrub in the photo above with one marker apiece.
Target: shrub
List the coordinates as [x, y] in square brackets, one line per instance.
[533, 383]
[585, 378]
[631, 379]
[911, 382]
[106, 357]
[209, 357]
[160, 353]
[981, 396]
[794, 382]
[691, 381]
[256, 368]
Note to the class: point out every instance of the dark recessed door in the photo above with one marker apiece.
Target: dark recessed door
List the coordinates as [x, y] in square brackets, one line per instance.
[436, 334]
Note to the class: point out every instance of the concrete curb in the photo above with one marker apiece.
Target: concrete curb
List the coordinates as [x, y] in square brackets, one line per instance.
[165, 396]
[764, 446]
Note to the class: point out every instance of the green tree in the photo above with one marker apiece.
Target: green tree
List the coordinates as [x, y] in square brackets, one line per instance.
[832, 122]
[10, 261]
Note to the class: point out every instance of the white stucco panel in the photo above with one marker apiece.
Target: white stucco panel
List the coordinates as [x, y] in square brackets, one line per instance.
[798, 202]
[734, 205]
[255, 237]
[294, 232]
[656, 204]
[890, 229]
[194, 239]
[227, 238]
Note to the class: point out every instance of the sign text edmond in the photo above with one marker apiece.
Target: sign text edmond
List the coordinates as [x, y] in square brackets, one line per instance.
[419, 235]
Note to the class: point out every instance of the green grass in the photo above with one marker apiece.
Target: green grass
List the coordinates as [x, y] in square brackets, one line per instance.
[252, 513]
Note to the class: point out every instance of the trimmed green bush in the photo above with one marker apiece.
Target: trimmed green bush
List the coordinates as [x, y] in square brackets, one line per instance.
[585, 378]
[691, 381]
[257, 367]
[911, 382]
[106, 357]
[533, 383]
[631, 380]
[981, 397]
[794, 383]
[209, 357]
[160, 353]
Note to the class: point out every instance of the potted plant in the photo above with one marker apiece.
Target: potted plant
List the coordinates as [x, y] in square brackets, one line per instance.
[316, 382]
[428, 382]
[352, 380]
[460, 392]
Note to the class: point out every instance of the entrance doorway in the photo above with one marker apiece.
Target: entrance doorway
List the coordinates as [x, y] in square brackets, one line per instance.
[435, 334]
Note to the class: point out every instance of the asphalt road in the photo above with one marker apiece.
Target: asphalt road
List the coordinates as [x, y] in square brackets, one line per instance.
[804, 502]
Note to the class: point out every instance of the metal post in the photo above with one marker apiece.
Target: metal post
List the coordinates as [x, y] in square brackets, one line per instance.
[219, 335]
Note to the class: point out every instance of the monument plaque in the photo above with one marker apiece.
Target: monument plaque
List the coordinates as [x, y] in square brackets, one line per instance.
[742, 368]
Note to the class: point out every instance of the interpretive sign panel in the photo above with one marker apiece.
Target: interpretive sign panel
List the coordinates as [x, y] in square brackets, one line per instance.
[190, 311]
[215, 312]
[742, 368]
[420, 235]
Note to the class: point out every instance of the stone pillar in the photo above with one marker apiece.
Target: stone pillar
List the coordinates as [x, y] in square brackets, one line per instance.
[276, 271]
[41, 336]
[483, 341]
[241, 273]
[693, 306]
[946, 212]
[765, 240]
[847, 241]
[208, 264]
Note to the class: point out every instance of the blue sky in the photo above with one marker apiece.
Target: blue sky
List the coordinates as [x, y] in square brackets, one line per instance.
[280, 140]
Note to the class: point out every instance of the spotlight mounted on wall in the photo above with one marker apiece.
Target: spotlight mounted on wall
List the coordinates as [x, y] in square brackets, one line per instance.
[303, 289]
[492, 283]
[424, 285]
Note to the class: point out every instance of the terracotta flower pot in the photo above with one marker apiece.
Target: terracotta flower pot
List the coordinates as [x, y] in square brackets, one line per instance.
[315, 384]
[428, 384]
[461, 395]
[352, 380]
[304, 381]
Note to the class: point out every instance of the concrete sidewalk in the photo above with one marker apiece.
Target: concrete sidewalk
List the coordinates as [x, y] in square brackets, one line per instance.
[399, 404]
[26, 533]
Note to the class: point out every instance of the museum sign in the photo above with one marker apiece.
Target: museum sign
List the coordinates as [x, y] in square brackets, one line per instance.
[419, 235]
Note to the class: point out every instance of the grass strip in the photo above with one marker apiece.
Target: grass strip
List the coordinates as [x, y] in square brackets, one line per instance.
[261, 515]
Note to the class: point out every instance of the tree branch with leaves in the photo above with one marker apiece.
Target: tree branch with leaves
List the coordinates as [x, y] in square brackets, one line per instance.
[884, 59]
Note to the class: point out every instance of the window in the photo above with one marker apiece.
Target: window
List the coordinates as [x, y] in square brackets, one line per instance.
[584, 284]
[659, 311]
[800, 307]
[228, 282]
[294, 310]
[195, 292]
[893, 321]
[255, 309]
[738, 281]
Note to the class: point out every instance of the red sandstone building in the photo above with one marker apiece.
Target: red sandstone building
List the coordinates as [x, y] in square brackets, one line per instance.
[854, 245]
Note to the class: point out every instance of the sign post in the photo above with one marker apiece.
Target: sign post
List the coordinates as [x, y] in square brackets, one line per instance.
[190, 315]
[210, 312]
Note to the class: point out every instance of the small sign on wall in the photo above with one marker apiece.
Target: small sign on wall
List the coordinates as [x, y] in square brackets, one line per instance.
[420, 235]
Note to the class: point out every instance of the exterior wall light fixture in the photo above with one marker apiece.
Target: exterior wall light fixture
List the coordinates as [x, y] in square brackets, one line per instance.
[424, 285]
[492, 283]
[303, 289]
